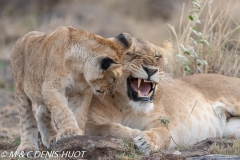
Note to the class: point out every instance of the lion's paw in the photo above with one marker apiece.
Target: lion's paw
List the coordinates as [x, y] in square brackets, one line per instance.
[49, 142]
[68, 132]
[27, 150]
[144, 143]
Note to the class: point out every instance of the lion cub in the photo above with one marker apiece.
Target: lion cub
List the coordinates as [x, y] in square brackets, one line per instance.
[55, 70]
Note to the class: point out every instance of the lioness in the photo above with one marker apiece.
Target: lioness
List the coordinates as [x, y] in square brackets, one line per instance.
[157, 113]
[55, 69]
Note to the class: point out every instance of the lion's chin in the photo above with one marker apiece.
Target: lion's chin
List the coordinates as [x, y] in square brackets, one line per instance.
[143, 107]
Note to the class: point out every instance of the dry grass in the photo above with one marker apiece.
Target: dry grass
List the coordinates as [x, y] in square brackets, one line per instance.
[212, 36]
[130, 153]
[226, 148]
[9, 119]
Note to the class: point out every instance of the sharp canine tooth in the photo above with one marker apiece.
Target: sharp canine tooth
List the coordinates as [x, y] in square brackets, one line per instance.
[139, 82]
[139, 94]
[150, 94]
[153, 85]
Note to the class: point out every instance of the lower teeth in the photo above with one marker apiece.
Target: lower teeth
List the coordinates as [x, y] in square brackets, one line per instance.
[150, 94]
[139, 94]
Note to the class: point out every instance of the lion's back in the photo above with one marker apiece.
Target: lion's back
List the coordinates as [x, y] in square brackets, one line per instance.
[26, 58]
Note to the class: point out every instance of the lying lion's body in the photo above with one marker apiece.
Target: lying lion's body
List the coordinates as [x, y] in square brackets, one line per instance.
[197, 108]
[56, 70]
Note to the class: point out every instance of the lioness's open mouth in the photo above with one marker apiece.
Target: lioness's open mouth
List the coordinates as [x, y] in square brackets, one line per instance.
[140, 89]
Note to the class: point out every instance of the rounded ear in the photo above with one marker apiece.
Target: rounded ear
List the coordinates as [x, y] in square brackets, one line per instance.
[167, 50]
[167, 46]
[123, 40]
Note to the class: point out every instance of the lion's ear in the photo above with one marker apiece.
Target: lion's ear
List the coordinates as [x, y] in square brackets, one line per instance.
[167, 46]
[167, 49]
[123, 40]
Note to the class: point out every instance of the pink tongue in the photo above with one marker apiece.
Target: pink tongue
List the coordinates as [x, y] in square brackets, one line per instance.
[144, 87]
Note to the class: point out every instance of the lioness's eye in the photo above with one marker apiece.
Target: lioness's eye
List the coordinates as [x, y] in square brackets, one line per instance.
[158, 56]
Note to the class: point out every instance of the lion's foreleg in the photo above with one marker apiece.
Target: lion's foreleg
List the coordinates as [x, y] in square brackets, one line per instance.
[46, 126]
[113, 129]
[152, 140]
[57, 104]
[79, 104]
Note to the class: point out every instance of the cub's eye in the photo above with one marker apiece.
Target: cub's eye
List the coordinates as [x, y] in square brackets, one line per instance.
[129, 53]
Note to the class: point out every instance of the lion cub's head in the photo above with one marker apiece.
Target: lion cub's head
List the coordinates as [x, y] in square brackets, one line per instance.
[143, 67]
[104, 75]
[98, 58]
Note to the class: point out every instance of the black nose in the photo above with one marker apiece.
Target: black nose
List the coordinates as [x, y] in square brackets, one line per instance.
[150, 71]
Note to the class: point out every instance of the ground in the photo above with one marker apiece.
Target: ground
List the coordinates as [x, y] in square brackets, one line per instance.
[10, 139]
[9, 121]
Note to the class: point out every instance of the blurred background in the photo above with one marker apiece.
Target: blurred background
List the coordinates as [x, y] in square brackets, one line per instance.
[204, 33]
[141, 18]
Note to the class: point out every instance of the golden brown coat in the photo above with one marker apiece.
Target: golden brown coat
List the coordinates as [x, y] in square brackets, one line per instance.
[56, 70]
[183, 112]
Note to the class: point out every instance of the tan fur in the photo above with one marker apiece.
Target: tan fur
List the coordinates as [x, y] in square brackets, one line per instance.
[56, 70]
[117, 115]
[196, 106]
